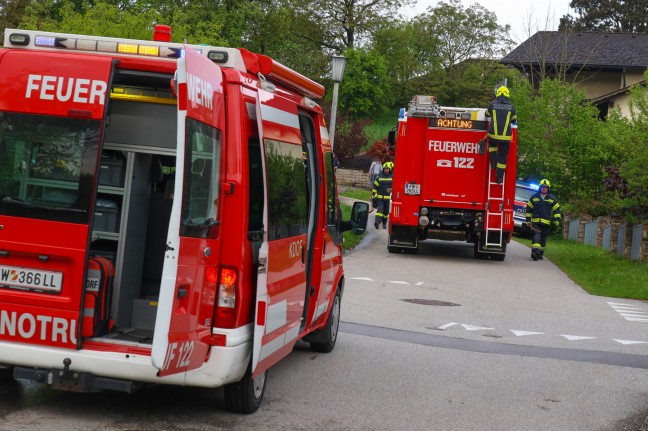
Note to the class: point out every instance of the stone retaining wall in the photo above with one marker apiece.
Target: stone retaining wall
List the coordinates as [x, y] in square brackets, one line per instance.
[352, 178]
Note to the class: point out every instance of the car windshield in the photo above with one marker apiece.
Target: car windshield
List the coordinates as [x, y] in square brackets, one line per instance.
[523, 194]
[47, 166]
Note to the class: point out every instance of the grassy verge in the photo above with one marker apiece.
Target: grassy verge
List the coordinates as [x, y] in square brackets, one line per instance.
[596, 271]
[377, 131]
[351, 240]
[363, 195]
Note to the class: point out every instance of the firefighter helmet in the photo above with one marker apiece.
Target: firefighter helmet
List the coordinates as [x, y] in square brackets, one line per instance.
[502, 91]
[545, 182]
[388, 165]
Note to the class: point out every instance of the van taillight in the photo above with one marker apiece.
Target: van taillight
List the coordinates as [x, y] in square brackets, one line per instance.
[226, 304]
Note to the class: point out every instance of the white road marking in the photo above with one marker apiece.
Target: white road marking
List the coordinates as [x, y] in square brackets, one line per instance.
[521, 333]
[419, 283]
[630, 312]
[576, 337]
[627, 342]
[361, 278]
[475, 328]
[398, 282]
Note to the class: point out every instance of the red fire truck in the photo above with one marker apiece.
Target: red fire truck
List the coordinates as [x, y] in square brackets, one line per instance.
[168, 215]
[443, 188]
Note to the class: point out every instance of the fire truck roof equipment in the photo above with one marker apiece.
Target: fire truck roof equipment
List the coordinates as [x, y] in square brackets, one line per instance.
[239, 59]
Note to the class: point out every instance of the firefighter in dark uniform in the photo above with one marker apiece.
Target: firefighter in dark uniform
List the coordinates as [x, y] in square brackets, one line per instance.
[501, 113]
[381, 194]
[542, 210]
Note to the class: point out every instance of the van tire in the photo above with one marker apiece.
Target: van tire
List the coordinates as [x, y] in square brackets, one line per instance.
[6, 374]
[328, 335]
[245, 396]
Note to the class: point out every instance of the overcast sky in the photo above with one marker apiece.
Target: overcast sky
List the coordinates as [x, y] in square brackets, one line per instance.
[525, 17]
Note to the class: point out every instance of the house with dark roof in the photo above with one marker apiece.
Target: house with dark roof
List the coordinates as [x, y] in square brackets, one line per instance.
[603, 65]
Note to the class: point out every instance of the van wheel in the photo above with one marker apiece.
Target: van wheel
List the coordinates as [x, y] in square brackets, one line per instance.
[498, 257]
[330, 332]
[6, 374]
[245, 396]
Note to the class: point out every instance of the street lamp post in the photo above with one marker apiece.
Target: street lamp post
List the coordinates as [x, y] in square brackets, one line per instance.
[337, 70]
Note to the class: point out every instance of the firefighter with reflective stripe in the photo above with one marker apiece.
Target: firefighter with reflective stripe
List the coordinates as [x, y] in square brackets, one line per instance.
[542, 210]
[381, 194]
[501, 113]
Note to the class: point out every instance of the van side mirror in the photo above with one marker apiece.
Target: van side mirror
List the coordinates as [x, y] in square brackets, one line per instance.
[359, 218]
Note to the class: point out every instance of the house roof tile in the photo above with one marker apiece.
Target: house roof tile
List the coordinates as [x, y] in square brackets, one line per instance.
[582, 49]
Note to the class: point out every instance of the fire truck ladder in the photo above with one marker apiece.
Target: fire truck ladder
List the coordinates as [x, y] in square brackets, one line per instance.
[495, 211]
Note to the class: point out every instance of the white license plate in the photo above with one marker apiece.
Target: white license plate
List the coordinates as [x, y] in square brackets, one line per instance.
[412, 189]
[32, 279]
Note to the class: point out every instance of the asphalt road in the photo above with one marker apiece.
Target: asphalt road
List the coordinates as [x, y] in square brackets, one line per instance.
[436, 341]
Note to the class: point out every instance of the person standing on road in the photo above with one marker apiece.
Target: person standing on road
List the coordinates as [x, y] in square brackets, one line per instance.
[542, 210]
[374, 170]
[381, 194]
[501, 113]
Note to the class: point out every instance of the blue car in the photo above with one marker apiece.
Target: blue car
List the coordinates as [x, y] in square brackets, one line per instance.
[523, 191]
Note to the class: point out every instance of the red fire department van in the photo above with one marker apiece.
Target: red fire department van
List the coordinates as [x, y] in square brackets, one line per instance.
[443, 188]
[168, 215]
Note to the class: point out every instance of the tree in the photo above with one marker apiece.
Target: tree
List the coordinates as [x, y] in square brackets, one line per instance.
[339, 25]
[618, 16]
[364, 91]
[11, 12]
[632, 142]
[560, 137]
[98, 18]
[464, 33]
[408, 54]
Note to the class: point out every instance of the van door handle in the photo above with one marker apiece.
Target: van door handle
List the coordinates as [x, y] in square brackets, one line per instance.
[182, 291]
[302, 254]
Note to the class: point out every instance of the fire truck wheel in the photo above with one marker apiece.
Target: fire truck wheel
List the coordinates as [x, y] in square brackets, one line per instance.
[245, 396]
[498, 257]
[478, 254]
[330, 332]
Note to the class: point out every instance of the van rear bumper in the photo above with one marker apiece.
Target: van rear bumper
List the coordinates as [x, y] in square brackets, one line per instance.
[109, 370]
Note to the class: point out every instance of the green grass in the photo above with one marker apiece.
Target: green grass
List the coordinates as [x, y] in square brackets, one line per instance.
[597, 271]
[363, 195]
[377, 131]
[351, 240]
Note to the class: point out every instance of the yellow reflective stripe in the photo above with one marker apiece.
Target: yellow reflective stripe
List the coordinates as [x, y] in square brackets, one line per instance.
[535, 245]
[499, 137]
[494, 123]
[501, 165]
[492, 149]
[508, 120]
[555, 207]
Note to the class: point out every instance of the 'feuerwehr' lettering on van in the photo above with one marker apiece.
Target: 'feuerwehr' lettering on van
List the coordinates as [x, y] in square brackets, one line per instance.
[64, 89]
[44, 328]
[199, 91]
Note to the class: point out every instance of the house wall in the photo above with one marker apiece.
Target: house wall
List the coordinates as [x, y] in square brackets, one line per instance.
[597, 84]
[622, 103]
